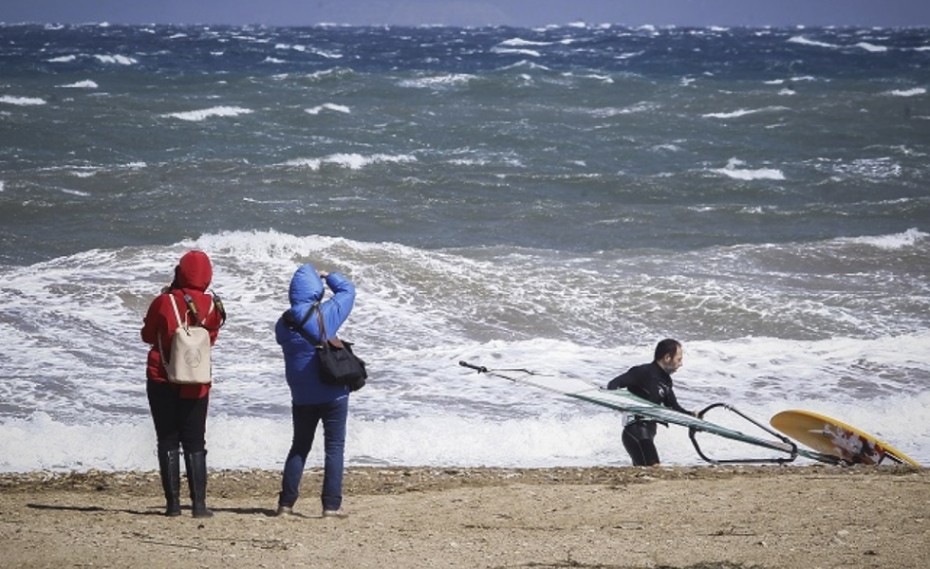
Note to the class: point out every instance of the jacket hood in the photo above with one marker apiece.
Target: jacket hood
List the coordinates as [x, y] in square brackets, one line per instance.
[306, 286]
[193, 271]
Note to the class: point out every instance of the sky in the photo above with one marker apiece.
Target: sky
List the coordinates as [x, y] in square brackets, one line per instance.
[524, 13]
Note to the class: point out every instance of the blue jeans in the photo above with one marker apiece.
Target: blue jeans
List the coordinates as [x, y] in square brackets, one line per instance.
[306, 418]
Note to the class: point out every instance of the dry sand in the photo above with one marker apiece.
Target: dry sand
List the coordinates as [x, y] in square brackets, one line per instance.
[688, 517]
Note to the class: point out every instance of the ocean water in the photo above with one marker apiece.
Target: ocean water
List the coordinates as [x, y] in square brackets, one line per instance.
[555, 199]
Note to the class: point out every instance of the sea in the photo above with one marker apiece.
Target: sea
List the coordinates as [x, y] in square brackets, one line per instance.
[553, 199]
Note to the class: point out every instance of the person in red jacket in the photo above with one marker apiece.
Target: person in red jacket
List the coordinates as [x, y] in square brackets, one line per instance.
[180, 411]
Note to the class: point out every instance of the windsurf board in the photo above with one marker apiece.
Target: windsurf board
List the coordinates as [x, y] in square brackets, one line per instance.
[835, 438]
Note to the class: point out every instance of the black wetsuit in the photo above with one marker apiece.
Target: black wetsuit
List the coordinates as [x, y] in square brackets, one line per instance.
[654, 384]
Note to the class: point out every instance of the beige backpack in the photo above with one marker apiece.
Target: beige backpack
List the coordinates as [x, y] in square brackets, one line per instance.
[190, 351]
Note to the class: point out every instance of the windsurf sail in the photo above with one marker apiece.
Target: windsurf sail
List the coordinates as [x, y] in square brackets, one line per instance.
[623, 400]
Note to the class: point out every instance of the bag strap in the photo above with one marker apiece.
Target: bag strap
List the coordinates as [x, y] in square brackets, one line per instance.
[334, 341]
[319, 319]
[177, 314]
[299, 326]
[181, 324]
[202, 322]
[218, 303]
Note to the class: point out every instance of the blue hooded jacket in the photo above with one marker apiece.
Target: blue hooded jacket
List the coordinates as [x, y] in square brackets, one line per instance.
[300, 365]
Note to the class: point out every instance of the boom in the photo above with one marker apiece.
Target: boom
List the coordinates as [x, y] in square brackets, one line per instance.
[623, 400]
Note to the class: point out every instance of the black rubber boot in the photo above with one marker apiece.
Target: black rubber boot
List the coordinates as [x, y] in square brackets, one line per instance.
[196, 464]
[169, 466]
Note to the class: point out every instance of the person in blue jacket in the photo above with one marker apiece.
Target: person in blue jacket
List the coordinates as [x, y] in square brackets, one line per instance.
[313, 401]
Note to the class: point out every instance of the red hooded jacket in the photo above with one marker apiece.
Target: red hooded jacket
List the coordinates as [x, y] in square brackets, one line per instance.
[192, 276]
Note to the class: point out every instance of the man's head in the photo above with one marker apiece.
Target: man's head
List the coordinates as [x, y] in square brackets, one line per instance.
[668, 355]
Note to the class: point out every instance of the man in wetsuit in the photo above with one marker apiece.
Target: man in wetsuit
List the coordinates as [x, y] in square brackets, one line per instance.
[652, 382]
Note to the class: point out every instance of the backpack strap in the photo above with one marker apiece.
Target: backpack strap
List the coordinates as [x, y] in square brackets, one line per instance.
[177, 314]
[215, 303]
[218, 303]
[181, 324]
[192, 308]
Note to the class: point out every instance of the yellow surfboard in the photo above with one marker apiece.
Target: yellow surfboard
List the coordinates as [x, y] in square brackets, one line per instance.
[835, 438]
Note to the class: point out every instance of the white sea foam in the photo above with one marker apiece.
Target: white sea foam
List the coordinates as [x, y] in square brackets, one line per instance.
[758, 174]
[606, 79]
[326, 74]
[909, 238]
[519, 42]
[804, 41]
[641, 107]
[350, 161]
[558, 433]
[85, 84]
[305, 49]
[63, 59]
[870, 47]
[469, 162]
[791, 80]
[252, 442]
[512, 51]
[743, 112]
[420, 407]
[21, 101]
[116, 59]
[629, 55]
[327, 54]
[914, 92]
[203, 114]
[451, 80]
[732, 170]
[328, 107]
[523, 63]
[871, 168]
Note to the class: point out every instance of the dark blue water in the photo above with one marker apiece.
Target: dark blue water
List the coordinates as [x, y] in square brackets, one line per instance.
[567, 138]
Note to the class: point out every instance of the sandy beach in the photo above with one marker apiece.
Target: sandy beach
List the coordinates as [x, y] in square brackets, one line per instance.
[684, 517]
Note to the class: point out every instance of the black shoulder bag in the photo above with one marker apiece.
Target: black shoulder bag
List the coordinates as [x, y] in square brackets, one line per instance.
[338, 364]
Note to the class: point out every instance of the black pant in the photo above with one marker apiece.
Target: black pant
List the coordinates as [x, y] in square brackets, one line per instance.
[177, 421]
[638, 441]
